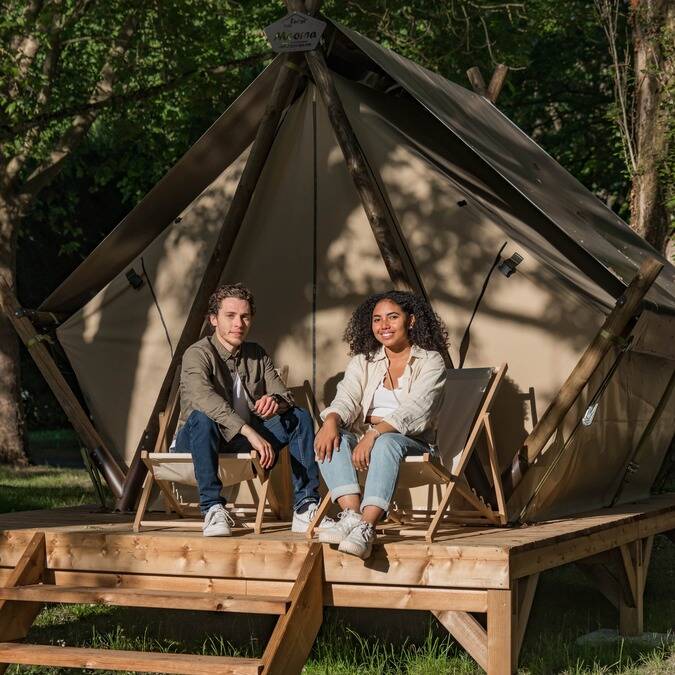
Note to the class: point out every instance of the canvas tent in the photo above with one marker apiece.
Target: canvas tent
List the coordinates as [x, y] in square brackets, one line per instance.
[463, 184]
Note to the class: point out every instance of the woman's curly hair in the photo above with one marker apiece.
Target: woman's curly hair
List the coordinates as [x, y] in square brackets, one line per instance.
[428, 331]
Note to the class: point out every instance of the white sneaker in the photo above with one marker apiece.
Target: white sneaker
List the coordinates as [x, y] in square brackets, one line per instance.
[217, 522]
[301, 521]
[359, 541]
[338, 530]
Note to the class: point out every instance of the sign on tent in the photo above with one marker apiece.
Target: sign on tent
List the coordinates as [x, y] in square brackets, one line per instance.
[296, 32]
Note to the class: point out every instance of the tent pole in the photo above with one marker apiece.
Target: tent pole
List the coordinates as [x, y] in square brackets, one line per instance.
[279, 98]
[371, 197]
[399, 264]
[492, 90]
[626, 308]
[100, 455]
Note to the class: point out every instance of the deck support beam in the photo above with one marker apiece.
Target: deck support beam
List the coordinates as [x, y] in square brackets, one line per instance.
[16, 618]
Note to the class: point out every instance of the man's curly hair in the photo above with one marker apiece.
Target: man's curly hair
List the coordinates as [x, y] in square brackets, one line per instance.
[237, 290]
[428, 331]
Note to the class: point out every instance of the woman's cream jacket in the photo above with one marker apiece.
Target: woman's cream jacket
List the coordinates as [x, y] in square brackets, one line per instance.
[422, 383]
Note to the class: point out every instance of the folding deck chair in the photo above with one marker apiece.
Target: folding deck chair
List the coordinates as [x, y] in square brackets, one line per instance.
[465, 416]
[166, 469]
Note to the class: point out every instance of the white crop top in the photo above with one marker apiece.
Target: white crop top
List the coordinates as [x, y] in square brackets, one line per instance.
[385, 401]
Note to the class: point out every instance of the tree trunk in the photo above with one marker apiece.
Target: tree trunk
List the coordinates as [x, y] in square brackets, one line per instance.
[11, 418]
[653, 23]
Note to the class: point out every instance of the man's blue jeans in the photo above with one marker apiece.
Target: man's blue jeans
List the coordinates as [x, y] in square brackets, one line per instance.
[388, 452]
[201, 437]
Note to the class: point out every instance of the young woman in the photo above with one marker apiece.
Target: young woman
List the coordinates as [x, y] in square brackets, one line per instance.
[385, 408]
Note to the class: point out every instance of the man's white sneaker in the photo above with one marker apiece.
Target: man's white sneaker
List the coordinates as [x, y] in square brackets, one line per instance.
[217, 522]
[359, 541]
[338, 530]
[301, 521]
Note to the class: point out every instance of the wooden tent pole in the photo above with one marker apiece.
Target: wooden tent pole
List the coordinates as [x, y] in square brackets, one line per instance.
[373, 202]
[104, 461]
[497, 82]
[627, 306]
[492, 90]
[279, 97]
[400, 266]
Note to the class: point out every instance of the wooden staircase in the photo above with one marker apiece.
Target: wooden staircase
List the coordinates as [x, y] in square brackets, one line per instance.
[31, 585]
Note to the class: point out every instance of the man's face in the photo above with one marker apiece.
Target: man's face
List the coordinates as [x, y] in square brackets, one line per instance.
[232, 322]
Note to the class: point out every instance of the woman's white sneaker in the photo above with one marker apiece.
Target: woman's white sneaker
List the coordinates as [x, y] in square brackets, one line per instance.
[346, 522]
[217, 522]
[359, 541]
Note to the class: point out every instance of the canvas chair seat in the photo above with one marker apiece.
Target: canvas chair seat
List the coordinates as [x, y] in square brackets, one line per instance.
[177, 467]
[465, 414]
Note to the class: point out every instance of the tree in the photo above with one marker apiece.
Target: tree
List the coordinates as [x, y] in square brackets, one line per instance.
[70, 65]
[644, 91]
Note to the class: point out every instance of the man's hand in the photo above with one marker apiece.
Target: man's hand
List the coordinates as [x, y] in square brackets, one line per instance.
[361, 453]
[327, 439]
[260, 445]
[266, 407]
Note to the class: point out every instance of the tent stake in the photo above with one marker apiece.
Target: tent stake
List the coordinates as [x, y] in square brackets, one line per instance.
[279, 98]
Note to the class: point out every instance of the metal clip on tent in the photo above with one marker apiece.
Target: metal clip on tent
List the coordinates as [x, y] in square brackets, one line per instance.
[508, 267]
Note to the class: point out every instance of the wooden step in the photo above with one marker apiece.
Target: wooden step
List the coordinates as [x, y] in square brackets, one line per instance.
[114, 659]
[128, 597]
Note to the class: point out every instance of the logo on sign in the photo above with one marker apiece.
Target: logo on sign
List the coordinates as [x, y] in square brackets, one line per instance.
[296, 32]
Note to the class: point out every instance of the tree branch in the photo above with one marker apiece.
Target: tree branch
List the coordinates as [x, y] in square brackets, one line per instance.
[81, 123]
[136, 95]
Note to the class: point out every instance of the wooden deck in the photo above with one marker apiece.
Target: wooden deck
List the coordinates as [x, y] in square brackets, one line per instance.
[96, 557]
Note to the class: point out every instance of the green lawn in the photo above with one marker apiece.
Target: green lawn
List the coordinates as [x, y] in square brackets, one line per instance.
[565, 607]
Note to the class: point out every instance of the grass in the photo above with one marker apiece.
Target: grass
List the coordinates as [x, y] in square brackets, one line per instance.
[367, 643]
[43, 487]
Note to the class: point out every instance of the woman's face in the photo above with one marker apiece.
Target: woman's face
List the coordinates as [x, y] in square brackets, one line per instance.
[390, 325]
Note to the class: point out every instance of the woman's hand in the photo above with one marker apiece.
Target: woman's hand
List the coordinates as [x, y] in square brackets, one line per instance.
[327, 440]
[361, 453]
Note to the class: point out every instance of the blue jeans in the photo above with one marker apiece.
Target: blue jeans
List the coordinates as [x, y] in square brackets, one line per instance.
[200, 436]
[388, 452]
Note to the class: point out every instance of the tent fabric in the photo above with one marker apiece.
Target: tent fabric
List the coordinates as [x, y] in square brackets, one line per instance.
[527, 168]
[307, 252]
[407, 128]
[217, 148]
[592, 466]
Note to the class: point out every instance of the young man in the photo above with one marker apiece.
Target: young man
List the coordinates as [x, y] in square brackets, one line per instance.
[232, 400]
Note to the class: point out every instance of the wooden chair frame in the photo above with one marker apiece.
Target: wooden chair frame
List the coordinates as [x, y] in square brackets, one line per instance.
[482, 513]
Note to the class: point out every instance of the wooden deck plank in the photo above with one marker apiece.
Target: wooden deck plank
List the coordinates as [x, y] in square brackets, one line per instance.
[114, 659]
[405, 597]
[122, 597]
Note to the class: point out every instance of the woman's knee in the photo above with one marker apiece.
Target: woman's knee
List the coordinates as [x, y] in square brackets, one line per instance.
[390, 444]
